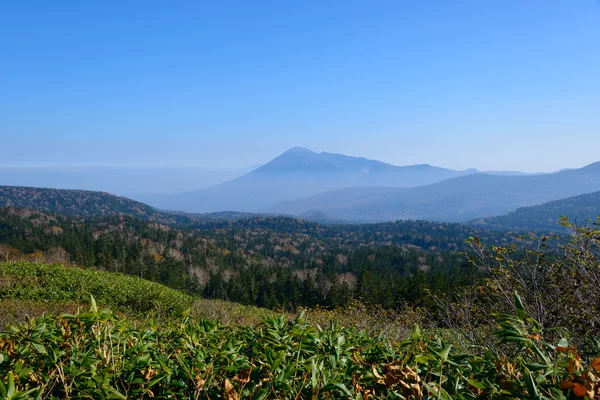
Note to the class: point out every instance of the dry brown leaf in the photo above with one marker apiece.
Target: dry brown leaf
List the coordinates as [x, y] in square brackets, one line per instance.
[244, 375]
[391, 380]
[412, 375]
[229, 392]
[379, 377]
[574, 365]
[356, 357]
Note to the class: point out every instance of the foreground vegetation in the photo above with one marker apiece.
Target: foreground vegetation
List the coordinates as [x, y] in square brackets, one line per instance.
[96, 354]
[149, 350]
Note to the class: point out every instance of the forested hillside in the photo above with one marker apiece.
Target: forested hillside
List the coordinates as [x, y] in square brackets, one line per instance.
[579, 209]
[73, 202]
[86, 203]
[270, 262]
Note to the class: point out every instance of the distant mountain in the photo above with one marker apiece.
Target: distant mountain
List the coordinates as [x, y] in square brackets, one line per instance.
[512, 173]
[579, 209]
[298, 173]
[458, 199]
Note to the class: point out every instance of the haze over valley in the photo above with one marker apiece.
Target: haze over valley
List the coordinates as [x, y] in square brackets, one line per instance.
[121, 180]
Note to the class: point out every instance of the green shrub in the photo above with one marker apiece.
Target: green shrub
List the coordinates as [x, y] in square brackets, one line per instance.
[58, 284]
[98, 355]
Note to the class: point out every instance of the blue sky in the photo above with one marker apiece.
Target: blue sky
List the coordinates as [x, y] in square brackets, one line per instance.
[498, 84]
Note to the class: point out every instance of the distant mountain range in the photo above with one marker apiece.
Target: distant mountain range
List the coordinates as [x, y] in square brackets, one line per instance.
[83, 203]
[458, 199]
[334, 188]
[580, 209]
[27, 210]
[300, 172]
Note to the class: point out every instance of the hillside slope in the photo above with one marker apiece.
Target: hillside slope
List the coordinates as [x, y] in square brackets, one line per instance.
[458, 199]
[29, 281]
[73, 202]
[578, 209]
[32, 289]
[86, 203]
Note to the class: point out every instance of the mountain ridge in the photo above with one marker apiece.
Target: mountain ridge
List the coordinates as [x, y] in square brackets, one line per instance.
[300, 172]
[579, 209]
[90, 203]
[73, 202]
[455, 200]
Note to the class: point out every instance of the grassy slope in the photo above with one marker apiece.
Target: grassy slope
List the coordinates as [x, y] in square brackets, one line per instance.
[29, 289]
[32, 289]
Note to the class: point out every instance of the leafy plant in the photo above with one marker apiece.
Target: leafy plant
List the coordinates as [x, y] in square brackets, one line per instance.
[97, 354]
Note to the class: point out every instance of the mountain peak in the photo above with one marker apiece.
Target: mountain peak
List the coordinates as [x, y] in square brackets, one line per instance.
[299, 150]
[295, 159]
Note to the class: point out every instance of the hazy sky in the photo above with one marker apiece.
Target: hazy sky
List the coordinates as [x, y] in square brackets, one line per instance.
[495, 84]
